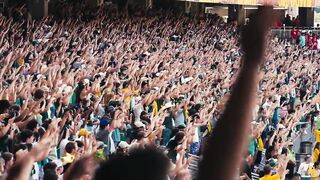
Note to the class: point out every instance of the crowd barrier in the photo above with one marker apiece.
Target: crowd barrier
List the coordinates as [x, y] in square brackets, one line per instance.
[285, 33]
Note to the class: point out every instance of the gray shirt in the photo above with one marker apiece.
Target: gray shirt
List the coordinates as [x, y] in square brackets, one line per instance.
[179, 118]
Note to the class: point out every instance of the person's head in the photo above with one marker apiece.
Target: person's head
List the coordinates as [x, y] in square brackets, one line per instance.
[126, 84]
[179, 136]
[197, 107]
[296, 176]
[284, 151]
[316, 165]
[41, 131]
[142, 164]
[49, 166]
[20, 147]
[144, 116]
[139, 126]
[105, 124]
[317, 146]
[307, 159]
[71, 148]
[8, 159]
[123, 147]
[144, 85]
[50, 175]
[267, 170]
[140, 136]
[59, 166]
[196, 118]
[39, 94]
[80, 146]
[26, 136]
[14, 111]
[4, 106]
[32, 125]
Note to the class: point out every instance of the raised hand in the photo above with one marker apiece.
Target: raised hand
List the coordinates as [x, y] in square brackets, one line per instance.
[254, 34]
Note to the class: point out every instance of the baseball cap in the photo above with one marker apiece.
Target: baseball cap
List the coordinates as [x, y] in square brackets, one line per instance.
[86, 81]
[105, 122]
[139, 124]
[138, 98]
[123, 145]
[58, 162]
[83, 132]
[273, 162]
[168, 105]
[101, 144]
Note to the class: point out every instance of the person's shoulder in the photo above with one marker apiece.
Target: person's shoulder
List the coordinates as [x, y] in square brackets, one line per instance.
[172, 142]
[101, 133]
[276, 176]
[263, 178]
[180, 110]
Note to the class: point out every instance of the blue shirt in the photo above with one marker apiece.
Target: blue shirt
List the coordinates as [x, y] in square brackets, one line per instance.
[302, 40]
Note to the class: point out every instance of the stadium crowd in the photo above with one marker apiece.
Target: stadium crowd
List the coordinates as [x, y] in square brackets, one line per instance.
[105, 87]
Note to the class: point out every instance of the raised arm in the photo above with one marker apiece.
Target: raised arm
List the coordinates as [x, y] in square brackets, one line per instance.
[222, 155]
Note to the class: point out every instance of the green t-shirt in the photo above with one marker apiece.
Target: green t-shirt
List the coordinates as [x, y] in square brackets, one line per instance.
[73, 99]
[252, 146]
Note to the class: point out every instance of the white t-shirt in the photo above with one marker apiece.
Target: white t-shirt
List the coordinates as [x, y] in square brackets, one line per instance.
[112, 146]
[62, 145]
[293, 92]
[137, 110]
[179, 119]
[303, 169]
[266, 105]
[36, 172]
[196, 135]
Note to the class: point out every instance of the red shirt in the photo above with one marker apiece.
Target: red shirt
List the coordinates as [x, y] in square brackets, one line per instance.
[310, 40]
[315, 43]
[294, 33]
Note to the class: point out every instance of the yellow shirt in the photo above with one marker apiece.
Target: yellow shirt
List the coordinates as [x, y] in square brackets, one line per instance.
[127, 96]
[269, 177]
[128, 93]
[260, 144]
[187, 114]
[316, 153]
[155, 107]
[209, 126]
[313, 173]
[67, 158]
[317, 134]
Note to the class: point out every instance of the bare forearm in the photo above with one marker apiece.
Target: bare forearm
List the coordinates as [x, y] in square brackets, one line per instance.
[5, 130]
[21, 170]
[231, 132]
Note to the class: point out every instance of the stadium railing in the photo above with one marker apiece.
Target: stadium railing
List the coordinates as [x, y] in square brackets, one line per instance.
[285, 33]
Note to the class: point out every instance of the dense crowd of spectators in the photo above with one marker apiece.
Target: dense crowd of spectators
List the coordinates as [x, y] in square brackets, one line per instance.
[305, 39]
[292, 21]
[94, 97]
